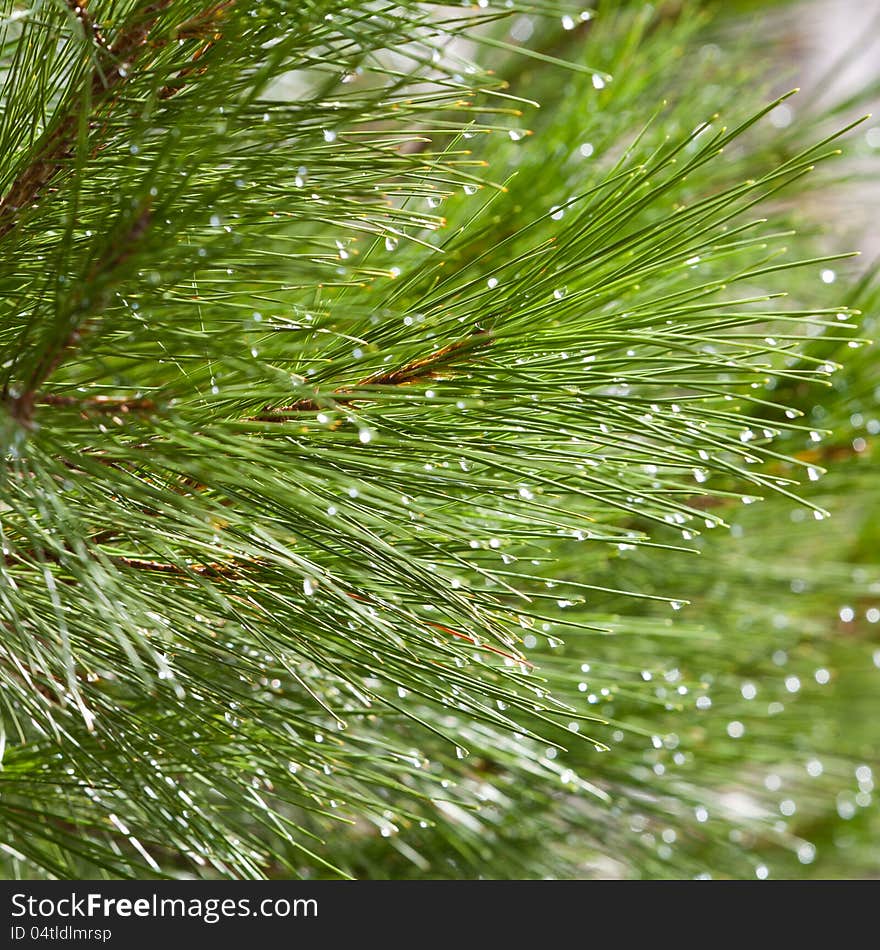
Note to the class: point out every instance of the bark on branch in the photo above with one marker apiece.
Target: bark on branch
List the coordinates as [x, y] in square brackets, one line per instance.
[432, 366]
[116, 63]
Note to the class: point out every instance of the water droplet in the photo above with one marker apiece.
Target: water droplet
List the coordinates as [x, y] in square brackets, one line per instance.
[522, 29]
[806, 853]
[598, 81]
[781, 116]
[559, 293]
[391, 243]
[329, 135]
[470, 189]
[568, 23]
[492, 283]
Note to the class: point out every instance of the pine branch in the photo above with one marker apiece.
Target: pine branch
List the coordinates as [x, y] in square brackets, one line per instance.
[104, 405]
[86, 303]
[204, 570]
[440, 363]
[204, 26]
[89, 27]
[226, 645]
[116, 62]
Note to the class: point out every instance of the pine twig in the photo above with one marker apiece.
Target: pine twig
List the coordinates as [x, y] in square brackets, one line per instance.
[22, 406]
[418, 370]
[112, 69]
[105, 405]
[200, 26]
[90, 28]
[214, 569]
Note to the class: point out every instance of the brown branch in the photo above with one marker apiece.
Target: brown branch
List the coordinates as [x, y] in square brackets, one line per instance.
[78, 8]
[31, 677]
[216, 569]
[52, 557]
[439, 363]
[114, 66]
[22, 406]
[96, 404]
[233, 571]
[205, 24]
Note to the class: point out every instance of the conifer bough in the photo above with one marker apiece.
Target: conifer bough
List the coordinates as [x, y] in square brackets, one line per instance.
[295, 465]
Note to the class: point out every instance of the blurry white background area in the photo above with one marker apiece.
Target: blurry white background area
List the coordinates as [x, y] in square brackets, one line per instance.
[834, 47]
